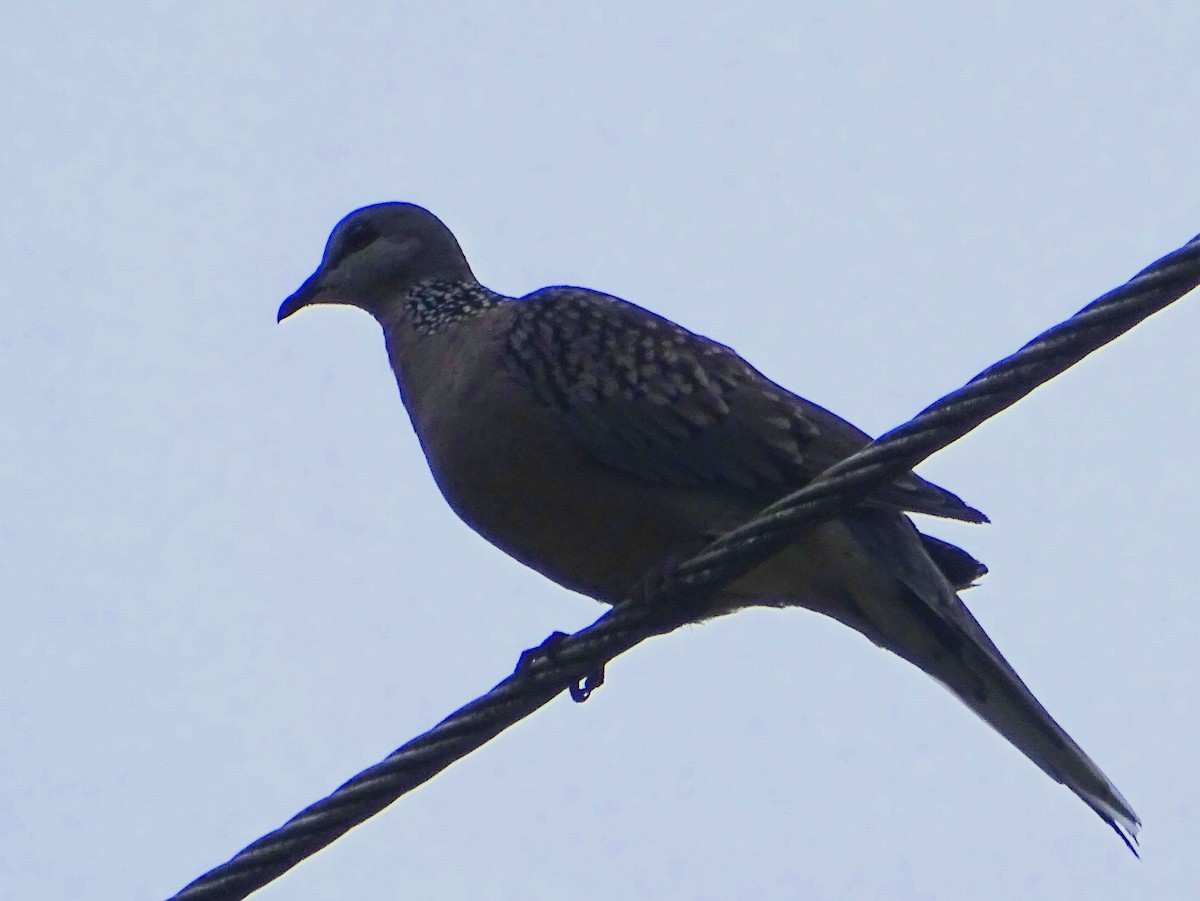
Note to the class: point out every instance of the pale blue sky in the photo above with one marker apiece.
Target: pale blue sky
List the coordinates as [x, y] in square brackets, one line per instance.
[228, 581]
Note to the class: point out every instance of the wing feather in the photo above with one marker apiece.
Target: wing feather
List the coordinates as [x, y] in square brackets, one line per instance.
[646, 396]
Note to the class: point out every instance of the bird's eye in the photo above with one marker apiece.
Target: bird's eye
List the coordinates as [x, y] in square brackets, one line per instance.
[358, 236]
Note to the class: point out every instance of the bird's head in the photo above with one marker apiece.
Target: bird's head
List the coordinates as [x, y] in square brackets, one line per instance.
[377, 252]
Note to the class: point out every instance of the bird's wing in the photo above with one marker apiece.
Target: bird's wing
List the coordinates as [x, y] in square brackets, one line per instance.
[658, 402]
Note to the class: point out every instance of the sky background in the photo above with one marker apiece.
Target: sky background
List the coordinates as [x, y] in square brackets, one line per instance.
[227, 581]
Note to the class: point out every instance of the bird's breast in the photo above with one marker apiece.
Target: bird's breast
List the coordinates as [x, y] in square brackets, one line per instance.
[511, 472]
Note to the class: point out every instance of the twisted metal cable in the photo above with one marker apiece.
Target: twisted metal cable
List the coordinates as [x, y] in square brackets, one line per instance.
[946, 420]
[575, 657]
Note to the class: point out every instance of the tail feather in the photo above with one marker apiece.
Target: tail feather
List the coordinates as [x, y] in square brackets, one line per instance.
[908, 607]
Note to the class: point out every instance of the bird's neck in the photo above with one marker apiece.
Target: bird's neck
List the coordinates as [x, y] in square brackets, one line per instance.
[426, 334]
[434, 305]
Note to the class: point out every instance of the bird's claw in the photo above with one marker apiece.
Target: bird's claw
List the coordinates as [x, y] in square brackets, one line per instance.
[581, 689]
[545, 649]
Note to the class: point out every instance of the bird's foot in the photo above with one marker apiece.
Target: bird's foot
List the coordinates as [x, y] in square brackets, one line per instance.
[658, 585]
[581, 689]
[655, 586]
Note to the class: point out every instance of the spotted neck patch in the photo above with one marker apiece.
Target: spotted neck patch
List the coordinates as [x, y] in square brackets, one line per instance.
[434, 306]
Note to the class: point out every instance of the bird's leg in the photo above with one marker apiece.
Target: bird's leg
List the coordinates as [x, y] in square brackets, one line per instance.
[580, 689]
[656, 584]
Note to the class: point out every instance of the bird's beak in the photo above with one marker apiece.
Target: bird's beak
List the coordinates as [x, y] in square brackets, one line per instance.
[306, 294]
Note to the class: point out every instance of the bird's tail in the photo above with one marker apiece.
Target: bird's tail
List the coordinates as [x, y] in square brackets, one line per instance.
[880, 581]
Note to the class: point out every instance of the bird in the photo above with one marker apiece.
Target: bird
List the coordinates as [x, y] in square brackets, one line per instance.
[600, 444]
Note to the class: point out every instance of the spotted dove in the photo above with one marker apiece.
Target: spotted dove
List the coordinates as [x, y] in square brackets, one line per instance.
[599, 443]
